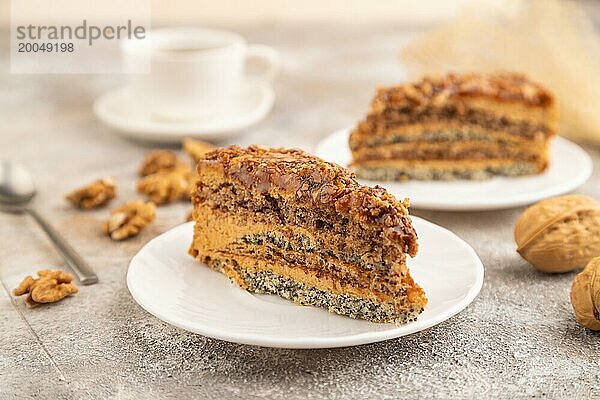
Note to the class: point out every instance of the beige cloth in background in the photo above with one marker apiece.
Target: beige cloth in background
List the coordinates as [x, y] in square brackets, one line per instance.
[552, 41]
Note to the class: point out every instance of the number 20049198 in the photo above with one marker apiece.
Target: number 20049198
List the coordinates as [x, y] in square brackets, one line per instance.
[28, 47]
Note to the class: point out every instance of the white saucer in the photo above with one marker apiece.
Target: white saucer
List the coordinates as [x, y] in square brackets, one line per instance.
[569, 168]
[171, 285]
[118, 110]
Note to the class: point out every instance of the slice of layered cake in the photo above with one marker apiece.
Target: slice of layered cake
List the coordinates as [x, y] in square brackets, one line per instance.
[284, 222]
[461, 126]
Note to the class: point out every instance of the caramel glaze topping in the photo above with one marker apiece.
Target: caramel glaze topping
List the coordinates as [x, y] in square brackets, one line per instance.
[435, 91]
[313, 181]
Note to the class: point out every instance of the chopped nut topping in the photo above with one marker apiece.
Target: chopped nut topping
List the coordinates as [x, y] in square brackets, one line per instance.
[196, 148]
[129, 219]
[436, 90]
[292, 172]
[51, 286]
[167, 186]
[94, 195]
[159, 160]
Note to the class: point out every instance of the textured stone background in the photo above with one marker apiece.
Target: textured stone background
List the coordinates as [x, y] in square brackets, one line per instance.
[519, 338]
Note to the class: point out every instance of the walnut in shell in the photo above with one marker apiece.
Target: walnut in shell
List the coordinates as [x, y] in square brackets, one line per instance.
[559, 234]
[94, 195]
[585, 295]
[129, 219]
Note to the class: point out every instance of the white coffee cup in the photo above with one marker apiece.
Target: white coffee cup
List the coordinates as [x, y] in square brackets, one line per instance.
[191, 72]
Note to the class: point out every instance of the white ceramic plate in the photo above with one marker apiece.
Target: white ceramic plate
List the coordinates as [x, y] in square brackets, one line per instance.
[171, 285]
[570, 167]
[118, 110]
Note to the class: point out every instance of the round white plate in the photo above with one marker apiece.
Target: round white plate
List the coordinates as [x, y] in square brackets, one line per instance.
[174, 287]
[118, 110]
[570, 167]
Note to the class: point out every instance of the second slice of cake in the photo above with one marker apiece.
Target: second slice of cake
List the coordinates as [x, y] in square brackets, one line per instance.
[460, 126]
[284, 222]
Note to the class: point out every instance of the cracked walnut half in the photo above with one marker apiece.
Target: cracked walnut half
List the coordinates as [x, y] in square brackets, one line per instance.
[51, 286]
[94, 195]
[167, 186]
[159, 160]
[196, 149]
[129, 219]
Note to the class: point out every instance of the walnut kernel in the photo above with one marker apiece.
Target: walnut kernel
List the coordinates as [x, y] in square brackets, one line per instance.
[51, 286]
[167, 186]
[196, 149]
[585, 295]
[159, 160]
[129, 219]
[94, 195]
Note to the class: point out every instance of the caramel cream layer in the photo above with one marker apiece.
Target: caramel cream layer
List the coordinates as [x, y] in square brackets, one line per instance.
[451, 150]
[515, 111]
[235, 233]
[392, 119]
[375, 244]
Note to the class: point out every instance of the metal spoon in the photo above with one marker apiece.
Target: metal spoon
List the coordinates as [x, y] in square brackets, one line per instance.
[16, 191]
